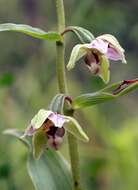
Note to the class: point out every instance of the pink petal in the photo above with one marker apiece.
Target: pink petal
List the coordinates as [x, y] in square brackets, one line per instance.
[57, 119]
[99, 45]
[113, 54]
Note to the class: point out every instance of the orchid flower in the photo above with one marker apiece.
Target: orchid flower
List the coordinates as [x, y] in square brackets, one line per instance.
[52, 125]
[97, 55]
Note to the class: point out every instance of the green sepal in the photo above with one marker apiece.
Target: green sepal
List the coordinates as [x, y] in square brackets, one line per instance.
[74, 128]
[61, 104]
[77, 53]
[39, 118]
[39, 143]
[104, 69]
[57, 103]
[84, 35]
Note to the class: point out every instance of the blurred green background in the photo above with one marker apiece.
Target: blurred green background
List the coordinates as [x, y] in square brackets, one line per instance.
[28, 82]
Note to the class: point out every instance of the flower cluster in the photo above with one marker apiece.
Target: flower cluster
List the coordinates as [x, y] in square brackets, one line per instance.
[96, 57]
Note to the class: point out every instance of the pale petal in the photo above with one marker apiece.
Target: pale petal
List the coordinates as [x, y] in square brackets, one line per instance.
[98, 45]
[112, 40]
[113, 54]
[115, 46]
[57, 119]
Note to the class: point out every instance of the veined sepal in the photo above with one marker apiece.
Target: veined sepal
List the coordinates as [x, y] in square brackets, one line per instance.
[75, 129]
[84, 35]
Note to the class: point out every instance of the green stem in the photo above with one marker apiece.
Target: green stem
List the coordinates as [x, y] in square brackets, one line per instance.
[60, 48]
[61, 76]
[60, 15]
[61, 68]
[74, 158]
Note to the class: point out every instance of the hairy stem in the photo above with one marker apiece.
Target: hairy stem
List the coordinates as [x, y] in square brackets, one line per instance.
[61, 76]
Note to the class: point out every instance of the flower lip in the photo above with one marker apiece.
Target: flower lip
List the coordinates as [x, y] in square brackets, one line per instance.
[55, 136]
[52, 131]
[97, 58]
[92, 61]
[56, 131]
[60, 132]
[55, 142]
[45, 119]
[91, 58]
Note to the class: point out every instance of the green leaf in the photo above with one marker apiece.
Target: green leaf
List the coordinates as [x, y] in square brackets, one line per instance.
[91, 99]
[19, 135]
[39, 143]
[50, 172]
[74, 128]
[31, 31]
[85, 36]
[109, 93]
[78, 52]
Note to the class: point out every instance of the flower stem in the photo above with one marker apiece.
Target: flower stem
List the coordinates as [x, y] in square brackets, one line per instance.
[74, 158]
[61, 68]
[61, 76]
[60, 48]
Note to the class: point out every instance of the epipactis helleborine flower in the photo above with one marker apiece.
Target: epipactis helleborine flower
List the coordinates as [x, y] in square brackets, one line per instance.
[52, 125]
[96, 55]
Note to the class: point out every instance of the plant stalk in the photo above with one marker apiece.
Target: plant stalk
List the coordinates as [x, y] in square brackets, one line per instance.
[74, 158]
[62, 84]
[61, 76]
